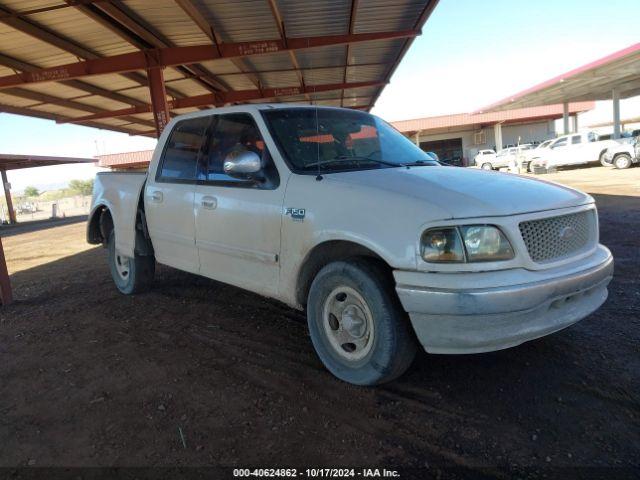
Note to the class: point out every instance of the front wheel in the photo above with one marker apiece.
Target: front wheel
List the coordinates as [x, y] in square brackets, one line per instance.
[622, 161]
[487, 166]
[131, 275]
[357, 325]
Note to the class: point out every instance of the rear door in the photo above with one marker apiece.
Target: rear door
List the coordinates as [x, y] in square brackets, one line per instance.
[237, 220]
[169, 196]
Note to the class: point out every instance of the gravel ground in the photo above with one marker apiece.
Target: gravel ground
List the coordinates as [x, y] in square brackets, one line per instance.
[197, 373]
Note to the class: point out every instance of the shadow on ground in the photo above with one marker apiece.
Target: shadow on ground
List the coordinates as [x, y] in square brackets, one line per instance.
[91, 377]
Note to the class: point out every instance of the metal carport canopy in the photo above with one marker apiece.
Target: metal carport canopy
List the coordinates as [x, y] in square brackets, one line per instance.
[618, 72]
[129, 65]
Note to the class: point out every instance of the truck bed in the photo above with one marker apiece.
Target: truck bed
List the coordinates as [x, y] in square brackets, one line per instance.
[120, 193]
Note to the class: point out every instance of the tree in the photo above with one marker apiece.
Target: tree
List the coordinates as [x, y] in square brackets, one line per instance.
[82, 187]
[31, 192]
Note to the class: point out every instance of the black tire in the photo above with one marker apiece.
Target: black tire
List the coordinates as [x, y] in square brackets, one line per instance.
[622, 161]
[393, 344]
[486, 166]
[603, 162]
[141, 270]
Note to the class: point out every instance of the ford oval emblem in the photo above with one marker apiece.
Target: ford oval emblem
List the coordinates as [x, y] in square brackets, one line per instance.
[567, 233]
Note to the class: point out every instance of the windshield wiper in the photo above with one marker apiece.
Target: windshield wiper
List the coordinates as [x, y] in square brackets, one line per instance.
[421, 163]
[355, 158]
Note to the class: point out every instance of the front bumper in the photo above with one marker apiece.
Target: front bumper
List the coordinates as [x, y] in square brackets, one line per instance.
[487, 311]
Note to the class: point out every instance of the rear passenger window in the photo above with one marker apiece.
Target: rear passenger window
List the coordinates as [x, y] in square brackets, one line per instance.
[180, 157]
[576, 139]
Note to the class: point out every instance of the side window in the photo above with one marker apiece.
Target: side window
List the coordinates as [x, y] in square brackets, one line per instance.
[233, 133]
[562, 142]
[576, 139]
[180, 157]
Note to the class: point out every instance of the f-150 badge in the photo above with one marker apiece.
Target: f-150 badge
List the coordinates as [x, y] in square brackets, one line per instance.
[297, 214]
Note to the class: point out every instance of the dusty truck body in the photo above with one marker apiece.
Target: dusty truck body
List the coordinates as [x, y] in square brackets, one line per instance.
[335, 212]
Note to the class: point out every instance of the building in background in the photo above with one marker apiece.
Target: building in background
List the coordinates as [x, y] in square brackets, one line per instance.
[457, 138]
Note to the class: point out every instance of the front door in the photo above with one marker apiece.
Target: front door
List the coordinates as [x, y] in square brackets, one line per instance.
[169, 196]
[578, 151]
[238, 220]
[558, 151]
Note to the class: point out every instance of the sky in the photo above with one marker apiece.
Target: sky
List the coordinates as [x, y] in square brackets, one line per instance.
[471, 54]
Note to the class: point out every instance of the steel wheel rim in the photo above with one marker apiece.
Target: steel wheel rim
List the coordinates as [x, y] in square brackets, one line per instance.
[348, 324]
[621, 162]
[123, 267]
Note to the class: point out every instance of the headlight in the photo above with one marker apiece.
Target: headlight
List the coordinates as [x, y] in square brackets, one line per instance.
[484, 243]
[468, 243]
[442, 245]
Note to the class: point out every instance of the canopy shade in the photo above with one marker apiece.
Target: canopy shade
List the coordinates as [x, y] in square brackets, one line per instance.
[597, 80]
[14, 162]
[93, 62]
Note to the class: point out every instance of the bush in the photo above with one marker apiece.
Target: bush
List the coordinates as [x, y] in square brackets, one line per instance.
[82, 187]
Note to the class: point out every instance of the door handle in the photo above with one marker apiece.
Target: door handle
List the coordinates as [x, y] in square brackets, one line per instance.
[208, 202]
[156, 196]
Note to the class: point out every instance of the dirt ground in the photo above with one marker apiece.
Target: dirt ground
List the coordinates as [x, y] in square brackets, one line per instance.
[199, 373]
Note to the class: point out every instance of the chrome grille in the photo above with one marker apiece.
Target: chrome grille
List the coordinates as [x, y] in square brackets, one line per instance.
[552, 238]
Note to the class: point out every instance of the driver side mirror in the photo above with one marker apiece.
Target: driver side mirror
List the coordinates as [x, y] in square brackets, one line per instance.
[245, 165]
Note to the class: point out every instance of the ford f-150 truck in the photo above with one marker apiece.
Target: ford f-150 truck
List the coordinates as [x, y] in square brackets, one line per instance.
[334, 211]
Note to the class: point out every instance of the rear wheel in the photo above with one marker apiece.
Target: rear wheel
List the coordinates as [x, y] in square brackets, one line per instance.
[487, 166]
[603, 162]
[357, 325]
[622, 161]
[131, 275]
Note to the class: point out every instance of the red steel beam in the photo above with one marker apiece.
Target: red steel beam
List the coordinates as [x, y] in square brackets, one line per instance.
[352, 23]
[6, 295]
[7, 196]
[16, 21]
[196, 15]
[277, 16]
[222, 98]
[166, 57]
[158, 99]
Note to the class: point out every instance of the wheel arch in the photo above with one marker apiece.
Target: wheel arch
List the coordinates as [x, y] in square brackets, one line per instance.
[327, 252]
[99, 224]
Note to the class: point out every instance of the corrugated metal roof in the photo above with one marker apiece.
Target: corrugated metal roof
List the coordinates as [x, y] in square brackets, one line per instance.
[39, 34]
[593, 81]
[506, 116]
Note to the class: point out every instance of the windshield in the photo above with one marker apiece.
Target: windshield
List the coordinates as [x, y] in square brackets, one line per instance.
[326, 140]
[544, 144]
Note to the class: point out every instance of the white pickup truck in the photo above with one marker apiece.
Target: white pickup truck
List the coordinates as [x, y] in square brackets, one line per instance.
[573, 149]
[334, 211]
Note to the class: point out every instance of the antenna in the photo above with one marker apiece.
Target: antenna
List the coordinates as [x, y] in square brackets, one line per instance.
[318, 175]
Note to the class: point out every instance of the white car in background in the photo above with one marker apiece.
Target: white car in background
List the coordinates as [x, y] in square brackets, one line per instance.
[573, 149]
[484, 156]
[506, 157]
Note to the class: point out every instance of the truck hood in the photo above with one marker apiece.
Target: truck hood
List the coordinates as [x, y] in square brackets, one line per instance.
[467, 193]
